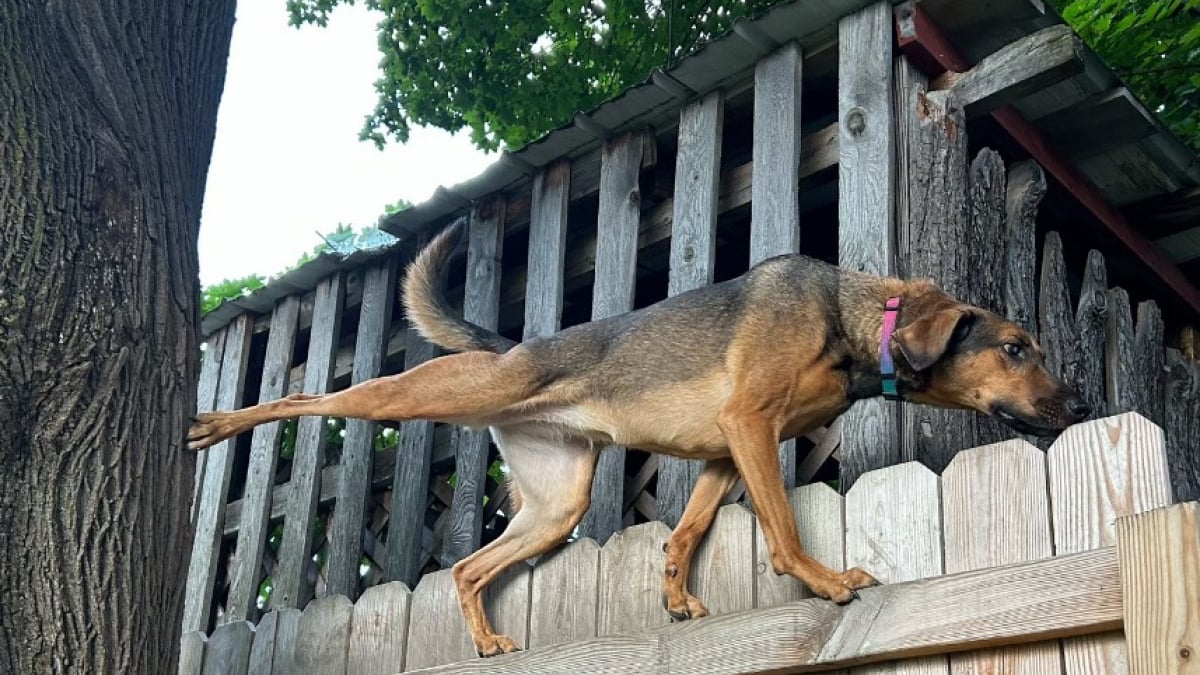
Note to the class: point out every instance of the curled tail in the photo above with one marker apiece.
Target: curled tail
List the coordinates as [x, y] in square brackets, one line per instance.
[426, 305]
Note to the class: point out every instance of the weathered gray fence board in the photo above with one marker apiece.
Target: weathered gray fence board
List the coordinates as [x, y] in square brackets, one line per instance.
[908, 84]
[723, 569]
[262, 652]
[693, 254]
[1120, 375]
[291, 574]
[1056, 320]
[260, 475]
[1148, 350]
[820, 519]
[1182, 415]
[547, 250]
[481, 306]
[410, 481]
[358, 445]
[1026, 187]
[630, 587]
[191, 653]
[616, 273]
[274, 648]
[206, 397]
[937, 239]
[323, 635]
[775, 199]
[866, 206]
[1091, 319]
[378, 630]
[228, 650]
[206, 544]
[986, 190]
[564, 590]
[438, 634]
[995, 512]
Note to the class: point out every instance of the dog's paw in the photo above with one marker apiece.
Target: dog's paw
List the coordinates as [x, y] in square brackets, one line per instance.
[208, 429]
[685, 607]
[856, 578]
[843, 588]
[491, 645]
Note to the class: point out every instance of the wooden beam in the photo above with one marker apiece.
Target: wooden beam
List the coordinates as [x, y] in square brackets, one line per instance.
[1015, 604]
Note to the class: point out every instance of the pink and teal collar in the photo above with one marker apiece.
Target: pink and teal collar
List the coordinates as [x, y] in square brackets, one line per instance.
[887, 368]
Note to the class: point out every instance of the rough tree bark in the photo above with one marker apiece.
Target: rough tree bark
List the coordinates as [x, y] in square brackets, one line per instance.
[107, 116]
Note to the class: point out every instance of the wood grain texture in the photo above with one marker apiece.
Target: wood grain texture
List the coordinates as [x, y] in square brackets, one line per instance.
[292, 588]
[378, 628]
[563, 595]
[693, 255]
[228, 650]
[323, 636]
[1026, 187]
[358, 444]
[1091, 319]
[410, 481]
[191, 653]
[1056, 320]
[986, 192]
[818, 510]
[1149, 355]
[218, 461]
[616, 274]
[1100, 471]
[630, 587]
[287, 631]
[481, 306]
[262, 652]
[866, 206]
[1120, 374]
[722, 575]
[547, 250]
[260, 476]
[1160, 583]
[1182, 425]
[995, 512]
[206, 398]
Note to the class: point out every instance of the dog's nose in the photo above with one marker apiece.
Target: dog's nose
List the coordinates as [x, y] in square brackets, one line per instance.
[1078, 408]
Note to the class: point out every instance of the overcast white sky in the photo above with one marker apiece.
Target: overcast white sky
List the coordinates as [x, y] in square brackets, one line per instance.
[287, 161]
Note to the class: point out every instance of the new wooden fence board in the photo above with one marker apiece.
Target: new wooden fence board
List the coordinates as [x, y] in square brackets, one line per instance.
[1182, 424]
[206, 543]
[894, 532]
[1091, 318]
[775, 200]
[410, 481]
[228, 650]
[378, 628]
[866, 206]
[358, 445]
[722, 574]
[547, 250]
[323, 636]
[616, 274]
[481, 306]
[260, 476]
[818, 510]
[693, 255]
[563, 595]
[1100, 471]
[291, 574]
[191, 653]
[995, 512]
[206, 397]
[631, 569]
[1120, 374]
[987, 192]
[437, 632]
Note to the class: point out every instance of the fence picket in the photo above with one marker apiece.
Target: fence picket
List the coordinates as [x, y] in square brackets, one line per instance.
[1149, 366]
[722, 575]
[378, 629]
[564, 587]
[1091, 319]
[1026, 187]
[206, 398]
[818, 510]
[410, 480]
[987, 192]
[547, 250]
[1182, 427]
[228, 650]
[631, 569]
[323, 636]
[440, 636]
[191, 652]
[1119, 368]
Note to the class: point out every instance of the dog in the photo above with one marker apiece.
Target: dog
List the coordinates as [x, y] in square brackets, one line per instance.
[721, 373]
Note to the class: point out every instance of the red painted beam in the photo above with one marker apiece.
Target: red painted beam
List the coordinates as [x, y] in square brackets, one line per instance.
[928, 48]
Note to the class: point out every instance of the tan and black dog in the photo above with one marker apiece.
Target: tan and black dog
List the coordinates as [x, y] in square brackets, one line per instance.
[721, 373]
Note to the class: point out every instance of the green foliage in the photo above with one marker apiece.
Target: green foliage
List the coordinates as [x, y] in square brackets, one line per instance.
[229, 289]
[511, 71]
[1154, 45]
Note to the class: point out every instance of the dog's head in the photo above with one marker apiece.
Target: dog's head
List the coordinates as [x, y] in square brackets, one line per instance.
[966, 357]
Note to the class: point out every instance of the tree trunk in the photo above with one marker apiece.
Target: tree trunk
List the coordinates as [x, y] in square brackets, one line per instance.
[107, 115]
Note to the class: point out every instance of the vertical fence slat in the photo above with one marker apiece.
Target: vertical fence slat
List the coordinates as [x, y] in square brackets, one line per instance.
[323, 636]
[1120, 375]
[1056, 321]
[191, 653]
[206, 397]
[295, 550]
[378, 630]
[1182, 427]
[358, 446]
[228, 650]
[936, 236]
[287, 628]
[262, 652]
[693, 254]
[866, 206]
[410, 480]
[987, 192]
[437, 634]
[774, 194]
[1091, 318]
[1101, 471]
[1026, 187]
[819, 516]
[631, 568]
[562, 605]
[481, 306]
[1148, 350]
[547, 250]
[260, 476]
[995, 512]
[723, 569]
[206, 544]
[894, 532]
[616, 271]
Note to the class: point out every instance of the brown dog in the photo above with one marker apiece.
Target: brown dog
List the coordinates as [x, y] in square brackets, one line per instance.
[721, 373]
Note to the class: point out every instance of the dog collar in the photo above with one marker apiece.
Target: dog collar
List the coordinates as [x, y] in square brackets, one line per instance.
[887, 368]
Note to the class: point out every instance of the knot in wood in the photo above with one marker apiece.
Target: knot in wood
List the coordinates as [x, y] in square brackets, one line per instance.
[856, 121]
[1185, 652]
[635, 197]
[689, 253]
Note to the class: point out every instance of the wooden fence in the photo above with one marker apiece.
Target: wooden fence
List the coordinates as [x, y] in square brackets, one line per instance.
[1024, 537]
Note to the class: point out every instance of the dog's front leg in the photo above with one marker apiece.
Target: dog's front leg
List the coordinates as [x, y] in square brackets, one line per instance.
[753, 442]
[715, 480]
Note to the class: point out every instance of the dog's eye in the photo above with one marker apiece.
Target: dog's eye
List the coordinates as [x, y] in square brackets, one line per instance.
[1013, 349]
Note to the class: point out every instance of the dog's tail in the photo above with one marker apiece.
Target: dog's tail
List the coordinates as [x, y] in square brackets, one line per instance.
[426, 305]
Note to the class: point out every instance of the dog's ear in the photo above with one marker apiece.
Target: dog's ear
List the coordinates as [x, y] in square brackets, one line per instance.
[926, 340]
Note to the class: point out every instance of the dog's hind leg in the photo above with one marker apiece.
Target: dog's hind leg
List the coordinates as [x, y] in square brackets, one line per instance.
[715, 480]
[462, 388]
[554, 477]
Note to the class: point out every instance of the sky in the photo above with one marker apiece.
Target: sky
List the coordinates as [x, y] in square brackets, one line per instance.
[287, 162]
